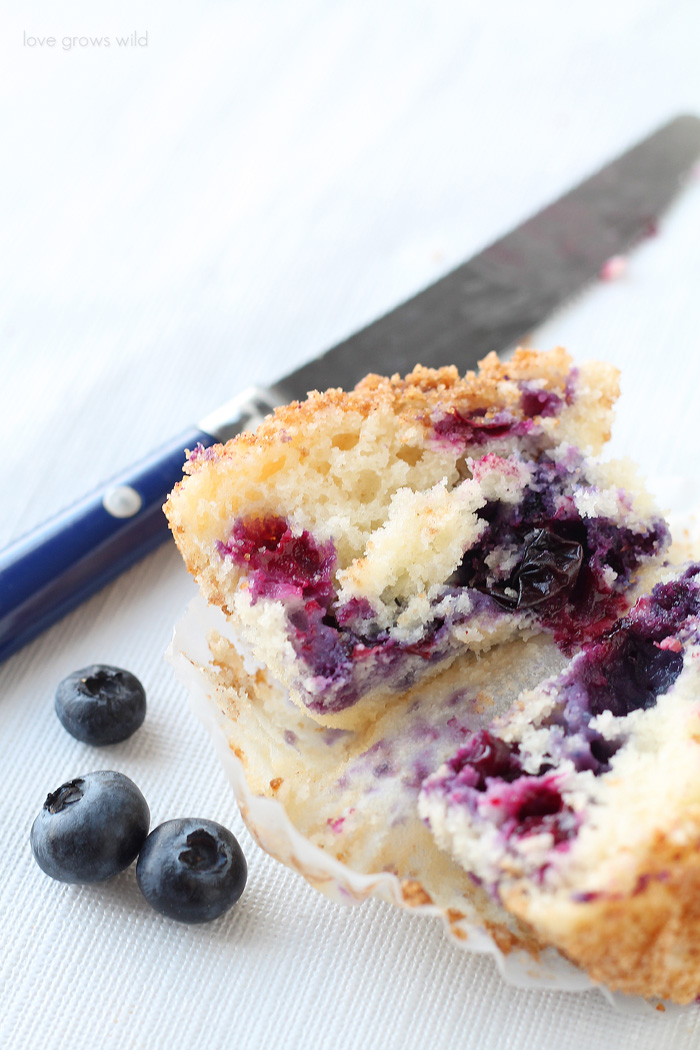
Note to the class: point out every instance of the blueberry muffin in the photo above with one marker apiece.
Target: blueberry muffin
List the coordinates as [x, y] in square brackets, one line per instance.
[361, 541]
[579, 810]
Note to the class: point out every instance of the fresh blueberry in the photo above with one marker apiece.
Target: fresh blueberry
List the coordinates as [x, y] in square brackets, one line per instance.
[101, 705]
[90, 828]
[191, 870]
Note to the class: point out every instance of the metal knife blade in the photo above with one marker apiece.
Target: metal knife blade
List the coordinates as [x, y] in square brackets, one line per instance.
[496, 298]
[486, 304]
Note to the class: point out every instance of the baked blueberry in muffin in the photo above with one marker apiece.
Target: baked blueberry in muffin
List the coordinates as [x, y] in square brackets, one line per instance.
[579, 810]
[360, 541]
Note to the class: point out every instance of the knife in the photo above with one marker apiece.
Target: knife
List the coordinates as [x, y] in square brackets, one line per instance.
[488, 303]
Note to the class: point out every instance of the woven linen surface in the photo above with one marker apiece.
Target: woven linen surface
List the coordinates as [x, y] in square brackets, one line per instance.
[200, 211]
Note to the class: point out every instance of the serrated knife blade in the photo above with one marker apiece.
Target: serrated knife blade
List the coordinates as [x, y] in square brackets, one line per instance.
[488, 303]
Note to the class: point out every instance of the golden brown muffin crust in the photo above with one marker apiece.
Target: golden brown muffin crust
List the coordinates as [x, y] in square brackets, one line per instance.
[645, 941]
[418, 395]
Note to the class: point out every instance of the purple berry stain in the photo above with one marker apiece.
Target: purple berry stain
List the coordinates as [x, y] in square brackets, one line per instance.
[534, 401]
[456, 429]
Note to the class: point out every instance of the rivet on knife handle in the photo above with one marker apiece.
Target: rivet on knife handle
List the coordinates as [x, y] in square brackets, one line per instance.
[47, 573]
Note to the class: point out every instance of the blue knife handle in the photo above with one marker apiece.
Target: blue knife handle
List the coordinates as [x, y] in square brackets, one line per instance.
[50, 571]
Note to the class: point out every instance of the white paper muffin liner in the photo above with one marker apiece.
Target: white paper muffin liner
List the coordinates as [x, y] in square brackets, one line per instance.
[269, 823]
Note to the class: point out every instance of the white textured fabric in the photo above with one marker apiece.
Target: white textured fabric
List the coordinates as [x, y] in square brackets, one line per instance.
[188, 216]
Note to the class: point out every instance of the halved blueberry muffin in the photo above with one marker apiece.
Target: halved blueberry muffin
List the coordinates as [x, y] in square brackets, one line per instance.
[361, 541]
[580, 809]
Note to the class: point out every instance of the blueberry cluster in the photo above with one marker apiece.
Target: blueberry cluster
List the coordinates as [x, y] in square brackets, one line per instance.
[94, 826]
